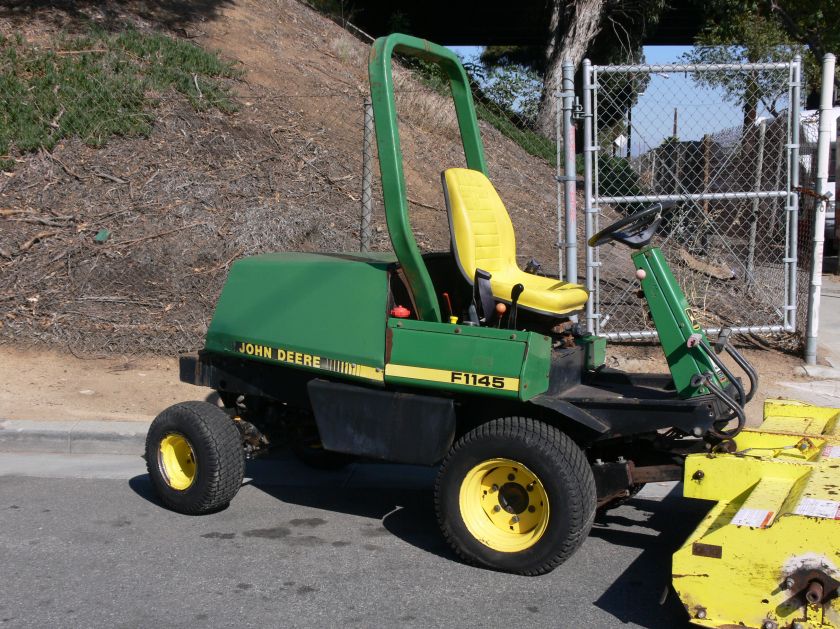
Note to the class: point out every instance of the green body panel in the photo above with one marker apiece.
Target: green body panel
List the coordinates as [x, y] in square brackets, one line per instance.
[484, 361]
[327, 305]
[674, 321]
[595, 350]
[390, 153]
[536, 372]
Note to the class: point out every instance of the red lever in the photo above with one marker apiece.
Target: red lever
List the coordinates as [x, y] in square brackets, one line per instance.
[401, 312]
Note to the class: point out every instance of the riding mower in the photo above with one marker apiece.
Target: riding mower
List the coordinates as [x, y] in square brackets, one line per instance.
[462, 360]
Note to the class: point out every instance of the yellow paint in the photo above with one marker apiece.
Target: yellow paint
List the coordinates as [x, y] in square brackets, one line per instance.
[294, 357]
[177, 461]
[777, 511]
[482, 505]
[483, 237]
[464, 378]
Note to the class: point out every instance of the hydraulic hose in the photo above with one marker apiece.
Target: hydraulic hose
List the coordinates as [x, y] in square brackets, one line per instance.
[714, 388]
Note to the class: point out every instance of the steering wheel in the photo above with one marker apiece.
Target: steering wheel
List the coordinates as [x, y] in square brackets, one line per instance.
[635, 230]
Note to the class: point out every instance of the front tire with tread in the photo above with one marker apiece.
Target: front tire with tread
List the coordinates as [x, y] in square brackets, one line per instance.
[219, 457]
[558, 463]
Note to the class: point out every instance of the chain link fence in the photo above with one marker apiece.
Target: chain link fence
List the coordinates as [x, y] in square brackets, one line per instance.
[665, 133]
[137, 167]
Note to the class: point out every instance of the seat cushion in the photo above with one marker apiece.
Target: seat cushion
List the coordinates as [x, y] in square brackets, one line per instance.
[483, 237]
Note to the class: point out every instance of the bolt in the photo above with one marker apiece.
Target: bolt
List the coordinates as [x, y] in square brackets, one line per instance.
[797, 625]
[789, 583]
[530, 486]
[511, 477]
[620, 459]
[496, 509]
[531, 509]
[598, 462]
[515, 519]
[769, 624]
[701, 613]
[698, 475]
[697, 431]
[494, 488]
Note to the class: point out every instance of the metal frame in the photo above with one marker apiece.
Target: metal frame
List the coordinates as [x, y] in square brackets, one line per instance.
[593, 201]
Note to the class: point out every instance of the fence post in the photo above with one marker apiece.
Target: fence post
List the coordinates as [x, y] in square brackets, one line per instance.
[792, 209]
[559, 143]
[588, 210]
[569, 172]
[367, 178]
[823, 146]
[762, 132]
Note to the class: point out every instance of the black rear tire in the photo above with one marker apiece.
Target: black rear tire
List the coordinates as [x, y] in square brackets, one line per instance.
[548, 455]
[217, 457]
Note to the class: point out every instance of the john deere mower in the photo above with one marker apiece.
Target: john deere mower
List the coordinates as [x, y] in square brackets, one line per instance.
[460, 359]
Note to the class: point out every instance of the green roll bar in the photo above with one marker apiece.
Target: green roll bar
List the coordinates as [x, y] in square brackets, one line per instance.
[390, 153]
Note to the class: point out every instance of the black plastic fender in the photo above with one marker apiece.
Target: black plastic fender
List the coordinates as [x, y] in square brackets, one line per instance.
[393, 426]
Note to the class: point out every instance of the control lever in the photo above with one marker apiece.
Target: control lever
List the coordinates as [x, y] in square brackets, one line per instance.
[482, 301]
[533, 267]
[515, 292]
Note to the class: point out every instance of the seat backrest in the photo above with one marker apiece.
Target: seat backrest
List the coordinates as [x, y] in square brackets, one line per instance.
[482, 233]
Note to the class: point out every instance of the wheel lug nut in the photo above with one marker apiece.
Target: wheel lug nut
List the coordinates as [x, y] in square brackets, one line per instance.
[496, 509]
[530, 487]
[494, 488]
[515, 519]
[511, 476]
[531, 509]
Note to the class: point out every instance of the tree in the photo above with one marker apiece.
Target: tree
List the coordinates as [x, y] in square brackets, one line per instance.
[753, 28]
[812, 23]
[608, 31]
[744, 37]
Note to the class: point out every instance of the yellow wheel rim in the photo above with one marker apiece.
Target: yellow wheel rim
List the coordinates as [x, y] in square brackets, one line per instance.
[177, 461]
[504, 505]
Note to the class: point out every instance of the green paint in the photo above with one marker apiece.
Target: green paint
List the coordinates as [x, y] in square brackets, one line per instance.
[537, 367]
[320, 304]
[390, 153]
[595, 350]
[671, 316]
[458, 348]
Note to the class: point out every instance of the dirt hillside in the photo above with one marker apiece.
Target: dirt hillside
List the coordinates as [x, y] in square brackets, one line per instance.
[281, 173]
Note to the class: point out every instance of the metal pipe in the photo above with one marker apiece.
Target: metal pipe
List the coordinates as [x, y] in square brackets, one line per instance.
[823, 146]
[815, 592]
[570, 172]
[700, 196]
[596, 178]
[588, 208]
[762, 132]
[652, 334]
[559, 183]
[793, 198]
[367, 178]
[690, 67]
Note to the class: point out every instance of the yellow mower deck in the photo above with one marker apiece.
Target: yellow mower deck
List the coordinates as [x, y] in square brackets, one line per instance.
[768, 554]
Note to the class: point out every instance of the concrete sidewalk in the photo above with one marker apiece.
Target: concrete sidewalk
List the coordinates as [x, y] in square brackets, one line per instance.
[73, 437]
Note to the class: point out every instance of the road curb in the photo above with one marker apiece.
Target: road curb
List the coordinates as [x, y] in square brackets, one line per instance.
[818, 372]
[73, 437]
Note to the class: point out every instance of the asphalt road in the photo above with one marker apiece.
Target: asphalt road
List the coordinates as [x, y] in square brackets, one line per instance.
[83, 542]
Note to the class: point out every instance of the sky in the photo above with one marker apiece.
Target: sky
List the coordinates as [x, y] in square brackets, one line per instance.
[700, 110]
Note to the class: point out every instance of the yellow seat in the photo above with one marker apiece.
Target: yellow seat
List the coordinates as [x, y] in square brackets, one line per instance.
[482, 237]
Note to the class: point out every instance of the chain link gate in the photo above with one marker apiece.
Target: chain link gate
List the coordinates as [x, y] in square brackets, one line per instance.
[665, 133]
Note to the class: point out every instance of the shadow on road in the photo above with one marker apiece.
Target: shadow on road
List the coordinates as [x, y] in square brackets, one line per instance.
[636, 595]
[401, 498]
